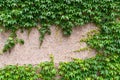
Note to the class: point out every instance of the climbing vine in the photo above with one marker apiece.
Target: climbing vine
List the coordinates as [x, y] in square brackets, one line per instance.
[108, 41]
[25, 14]
[66, 14]
[96, 68]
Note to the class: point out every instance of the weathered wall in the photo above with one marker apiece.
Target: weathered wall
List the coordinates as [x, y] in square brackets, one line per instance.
[61, 47]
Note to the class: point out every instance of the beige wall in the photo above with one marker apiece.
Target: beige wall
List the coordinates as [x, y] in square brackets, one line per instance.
[61, 47]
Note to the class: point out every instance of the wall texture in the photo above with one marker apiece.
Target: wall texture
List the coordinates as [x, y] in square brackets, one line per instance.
[61, 47]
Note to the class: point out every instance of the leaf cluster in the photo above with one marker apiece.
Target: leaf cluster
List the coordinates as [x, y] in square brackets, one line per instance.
[97, 68]
[66, 14]
[108, 42]
[44, 71]
[12, 72]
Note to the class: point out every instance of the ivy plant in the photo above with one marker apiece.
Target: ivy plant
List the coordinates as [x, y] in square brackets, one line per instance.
[15, 15]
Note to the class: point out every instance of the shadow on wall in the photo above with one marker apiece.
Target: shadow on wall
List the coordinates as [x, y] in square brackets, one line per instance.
[61, 47]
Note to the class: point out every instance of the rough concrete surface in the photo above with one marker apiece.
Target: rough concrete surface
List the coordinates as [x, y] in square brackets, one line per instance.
[61, 47]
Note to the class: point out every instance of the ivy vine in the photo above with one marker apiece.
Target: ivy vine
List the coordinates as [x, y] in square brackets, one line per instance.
[19, 14]
[96, 68]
